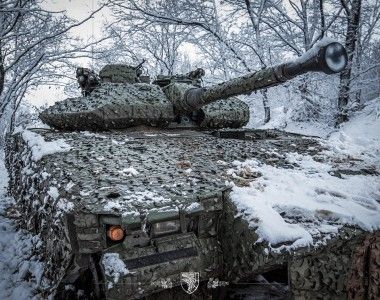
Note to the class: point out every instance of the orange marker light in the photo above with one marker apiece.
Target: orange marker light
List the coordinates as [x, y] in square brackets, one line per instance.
[115, 233]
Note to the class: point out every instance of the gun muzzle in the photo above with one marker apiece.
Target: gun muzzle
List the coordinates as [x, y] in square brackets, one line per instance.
[329, 59]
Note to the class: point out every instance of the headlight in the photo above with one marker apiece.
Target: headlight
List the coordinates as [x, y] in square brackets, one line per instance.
[165, 227]
[115, 233]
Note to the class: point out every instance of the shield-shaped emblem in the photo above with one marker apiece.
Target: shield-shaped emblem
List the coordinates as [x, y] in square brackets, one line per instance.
[189, 281]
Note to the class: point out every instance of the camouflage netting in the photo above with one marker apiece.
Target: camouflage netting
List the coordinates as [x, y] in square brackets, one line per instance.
[143, 171]
[231, 112]
[112, 105]
[339, 269]
[119, 73]
[41, 204]
[364, 276]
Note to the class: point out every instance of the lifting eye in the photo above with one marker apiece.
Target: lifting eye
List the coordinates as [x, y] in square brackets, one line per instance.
[115, 233]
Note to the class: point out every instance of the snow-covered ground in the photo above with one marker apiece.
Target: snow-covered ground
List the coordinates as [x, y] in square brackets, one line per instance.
[352, 199]
[360, 137]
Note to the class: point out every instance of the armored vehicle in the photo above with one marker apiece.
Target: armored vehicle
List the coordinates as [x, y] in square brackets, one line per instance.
[130, 191]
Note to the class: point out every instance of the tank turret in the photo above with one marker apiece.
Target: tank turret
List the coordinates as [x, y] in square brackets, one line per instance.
[120, 97]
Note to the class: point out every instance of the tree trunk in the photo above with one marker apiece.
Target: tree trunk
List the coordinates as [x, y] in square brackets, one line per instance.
[303, 88]
[260, 55]
[266, 106]
[353, 19]
[2, 72]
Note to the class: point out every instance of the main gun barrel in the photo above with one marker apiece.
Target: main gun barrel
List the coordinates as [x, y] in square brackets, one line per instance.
[330, 59]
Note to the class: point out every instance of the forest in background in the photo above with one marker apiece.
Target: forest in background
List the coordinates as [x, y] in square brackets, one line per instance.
[227, 38]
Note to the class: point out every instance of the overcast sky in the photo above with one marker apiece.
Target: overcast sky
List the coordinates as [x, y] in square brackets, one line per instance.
[79, 10]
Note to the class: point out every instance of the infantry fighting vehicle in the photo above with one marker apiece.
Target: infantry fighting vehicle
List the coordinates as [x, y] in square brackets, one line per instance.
[127, 190]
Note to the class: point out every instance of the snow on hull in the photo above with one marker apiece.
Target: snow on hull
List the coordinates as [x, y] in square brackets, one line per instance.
[325, 201]
[40, 147]
[114, 268]
[322, 201]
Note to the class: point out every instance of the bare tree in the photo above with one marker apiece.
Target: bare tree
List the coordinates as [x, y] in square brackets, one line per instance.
[158, 45]
[298, 26]
[360, 23]
[353, 20]
[197, 15]
[35, 48]
[255, 10]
